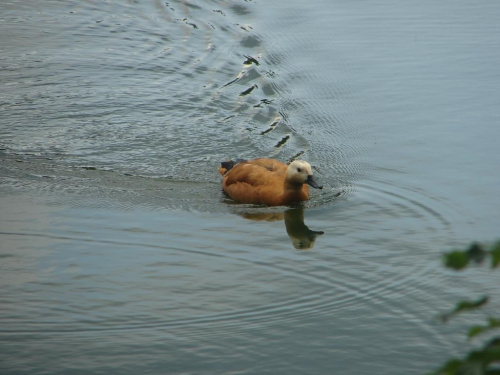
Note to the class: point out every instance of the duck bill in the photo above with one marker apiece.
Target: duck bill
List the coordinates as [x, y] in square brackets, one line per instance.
[311, 181]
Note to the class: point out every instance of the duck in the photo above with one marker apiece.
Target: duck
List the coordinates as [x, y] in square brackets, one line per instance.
[267, 181]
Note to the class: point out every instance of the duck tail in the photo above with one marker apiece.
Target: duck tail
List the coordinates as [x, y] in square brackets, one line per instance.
[226, 166]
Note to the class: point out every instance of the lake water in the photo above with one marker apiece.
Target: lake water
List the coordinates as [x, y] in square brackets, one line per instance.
[120, 254]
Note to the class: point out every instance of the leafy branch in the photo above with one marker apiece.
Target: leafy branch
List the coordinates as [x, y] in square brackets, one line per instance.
[485, 360]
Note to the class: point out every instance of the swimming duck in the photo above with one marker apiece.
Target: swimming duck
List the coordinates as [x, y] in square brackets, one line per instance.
[267, 181]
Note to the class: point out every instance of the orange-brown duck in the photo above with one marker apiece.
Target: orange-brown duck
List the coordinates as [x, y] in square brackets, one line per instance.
[267, 181]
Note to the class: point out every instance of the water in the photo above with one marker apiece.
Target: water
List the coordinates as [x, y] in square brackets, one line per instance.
[119, 253]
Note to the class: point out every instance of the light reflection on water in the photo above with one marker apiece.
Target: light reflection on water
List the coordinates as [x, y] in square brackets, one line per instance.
[120, 253]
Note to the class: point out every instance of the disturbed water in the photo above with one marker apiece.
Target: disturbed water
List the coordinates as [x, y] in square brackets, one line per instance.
[119, 253]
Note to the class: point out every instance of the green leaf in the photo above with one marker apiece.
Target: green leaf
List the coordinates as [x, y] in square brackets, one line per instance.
[456, 259]
[493, 323]
[475, 330]
[470, 305]
[490, 353]
[450, 368]
[464, 305]
[476, 253]
[495, 255]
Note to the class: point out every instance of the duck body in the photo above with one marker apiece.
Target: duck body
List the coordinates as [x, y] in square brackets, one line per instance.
[267, 181]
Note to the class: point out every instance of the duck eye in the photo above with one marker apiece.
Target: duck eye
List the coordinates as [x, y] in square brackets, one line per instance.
[299, 170]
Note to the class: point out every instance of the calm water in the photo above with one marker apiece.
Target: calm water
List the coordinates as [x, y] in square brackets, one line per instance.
[119, 253]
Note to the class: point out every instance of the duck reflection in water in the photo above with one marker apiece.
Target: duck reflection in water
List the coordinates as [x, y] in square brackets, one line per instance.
[302, 237]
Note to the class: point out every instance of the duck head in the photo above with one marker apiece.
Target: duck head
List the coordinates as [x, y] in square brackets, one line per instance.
[300, 172]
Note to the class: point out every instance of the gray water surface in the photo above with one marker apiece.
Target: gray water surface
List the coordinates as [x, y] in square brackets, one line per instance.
[120, 254]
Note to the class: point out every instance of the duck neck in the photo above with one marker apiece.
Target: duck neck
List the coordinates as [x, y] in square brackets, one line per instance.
[292, 187]
[295, 192]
